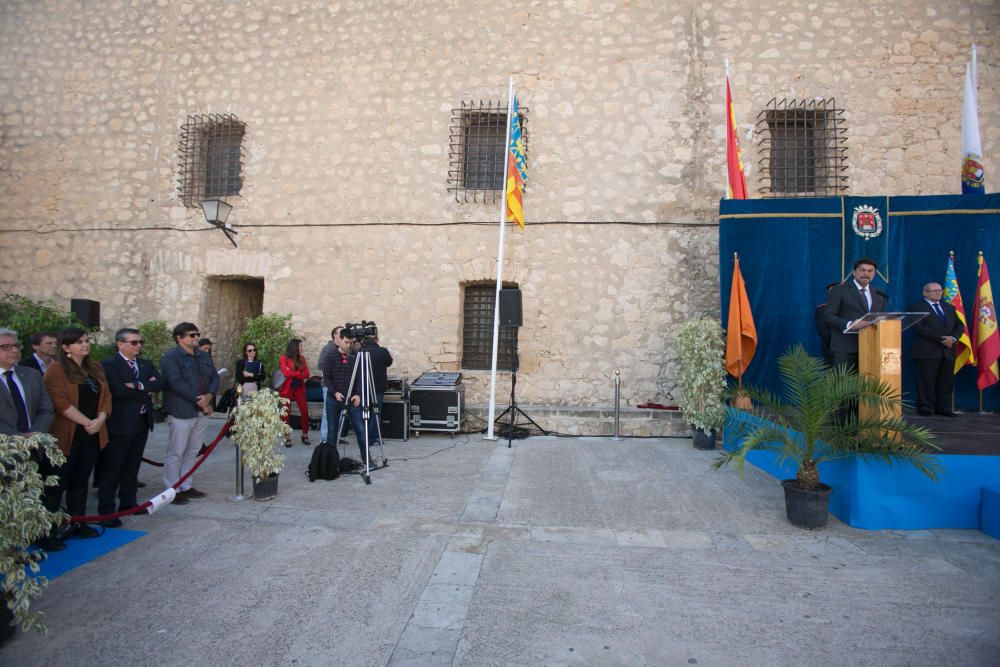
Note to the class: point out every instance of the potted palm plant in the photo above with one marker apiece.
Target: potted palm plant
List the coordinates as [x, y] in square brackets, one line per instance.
[702, 379]
[25, 520]
[257, 429]
[818, 421]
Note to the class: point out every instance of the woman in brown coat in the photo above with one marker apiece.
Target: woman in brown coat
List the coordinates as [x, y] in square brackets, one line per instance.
[82, 402]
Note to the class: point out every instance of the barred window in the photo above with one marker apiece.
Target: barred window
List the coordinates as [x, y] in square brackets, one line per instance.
[804, 148]
[211, 157]
[477, 329]
[476, 150]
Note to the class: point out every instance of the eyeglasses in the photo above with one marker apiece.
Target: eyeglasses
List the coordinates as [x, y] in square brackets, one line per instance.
[251, 349]
[194, 334]
[134, 342]
[7, 347]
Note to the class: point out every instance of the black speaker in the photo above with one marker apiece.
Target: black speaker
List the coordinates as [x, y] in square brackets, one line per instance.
[87, 311]
[395, 422]
[510, 307]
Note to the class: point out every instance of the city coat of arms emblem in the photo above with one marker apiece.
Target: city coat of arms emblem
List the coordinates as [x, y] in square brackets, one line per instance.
[867, 222]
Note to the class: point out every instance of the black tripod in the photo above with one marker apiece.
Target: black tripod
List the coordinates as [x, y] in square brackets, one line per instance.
[514, 411]
[369, 409]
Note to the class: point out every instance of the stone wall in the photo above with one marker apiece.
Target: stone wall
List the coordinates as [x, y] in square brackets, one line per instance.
[345, 214]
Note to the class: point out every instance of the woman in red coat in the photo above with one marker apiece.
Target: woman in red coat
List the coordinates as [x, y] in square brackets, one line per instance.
[296, 372]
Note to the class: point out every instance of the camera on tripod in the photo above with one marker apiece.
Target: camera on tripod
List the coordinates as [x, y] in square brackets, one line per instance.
[359, 332]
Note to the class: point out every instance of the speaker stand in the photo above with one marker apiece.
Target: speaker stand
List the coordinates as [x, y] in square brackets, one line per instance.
[513, 411]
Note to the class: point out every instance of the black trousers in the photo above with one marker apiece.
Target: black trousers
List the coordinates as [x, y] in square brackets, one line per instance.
[119, 474]
[935, 379]
[74, 475]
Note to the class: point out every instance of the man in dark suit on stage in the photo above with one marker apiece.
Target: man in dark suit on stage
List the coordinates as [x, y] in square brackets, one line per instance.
[131, 380]
[849, 301]
[934, 351]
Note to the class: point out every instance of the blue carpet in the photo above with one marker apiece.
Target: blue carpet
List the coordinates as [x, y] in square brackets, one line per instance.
[79, 551]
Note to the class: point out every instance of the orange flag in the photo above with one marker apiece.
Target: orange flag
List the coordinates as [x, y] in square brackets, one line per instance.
[741, 334]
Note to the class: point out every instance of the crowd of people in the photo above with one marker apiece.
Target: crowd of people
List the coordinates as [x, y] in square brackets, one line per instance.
[101, 414]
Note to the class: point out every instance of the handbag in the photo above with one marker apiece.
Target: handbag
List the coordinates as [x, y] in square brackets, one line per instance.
[277, 379]
[227, 401]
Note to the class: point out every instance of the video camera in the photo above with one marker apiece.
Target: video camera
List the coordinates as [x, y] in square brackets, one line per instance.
[363, 330]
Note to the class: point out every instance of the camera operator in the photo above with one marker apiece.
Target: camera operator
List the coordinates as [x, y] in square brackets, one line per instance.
[337, 368]
[381, 360]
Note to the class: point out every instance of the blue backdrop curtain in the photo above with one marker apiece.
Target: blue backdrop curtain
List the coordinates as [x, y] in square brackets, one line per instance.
[790, 249]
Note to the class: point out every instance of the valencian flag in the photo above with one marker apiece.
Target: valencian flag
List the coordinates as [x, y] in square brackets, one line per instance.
[517, 170]
[984, 330]
[963, 348]
[736, 185]
[973, 174]
[741, 334]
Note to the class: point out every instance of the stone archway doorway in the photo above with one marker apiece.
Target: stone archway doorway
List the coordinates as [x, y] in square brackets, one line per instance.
[229, 301]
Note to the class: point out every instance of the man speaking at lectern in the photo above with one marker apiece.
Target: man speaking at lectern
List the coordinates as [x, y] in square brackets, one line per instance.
[851, 300]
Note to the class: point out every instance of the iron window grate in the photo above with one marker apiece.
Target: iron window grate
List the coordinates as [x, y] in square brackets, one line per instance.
[476, 150]
[803, 148]
[477, 330]
[210, 157]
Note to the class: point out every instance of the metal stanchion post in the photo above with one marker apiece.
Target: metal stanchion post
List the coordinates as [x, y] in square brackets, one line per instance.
[618, 403]
[239, 495]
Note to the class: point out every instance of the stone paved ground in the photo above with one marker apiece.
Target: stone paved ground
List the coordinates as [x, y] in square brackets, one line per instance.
[569, 551]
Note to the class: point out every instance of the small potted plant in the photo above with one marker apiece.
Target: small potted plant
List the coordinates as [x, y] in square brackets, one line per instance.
[702, 379]
[25, 520]
[818, 421]
[257, 429]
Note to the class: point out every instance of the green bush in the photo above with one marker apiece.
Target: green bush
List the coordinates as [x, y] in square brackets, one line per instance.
[158, 339]
[26, 317]
[270, 332]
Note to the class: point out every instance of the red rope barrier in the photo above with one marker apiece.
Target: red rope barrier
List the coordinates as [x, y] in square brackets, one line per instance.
[138, 508]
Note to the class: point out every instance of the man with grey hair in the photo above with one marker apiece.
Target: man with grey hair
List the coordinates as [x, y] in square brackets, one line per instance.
[25, 407]
[934, 351]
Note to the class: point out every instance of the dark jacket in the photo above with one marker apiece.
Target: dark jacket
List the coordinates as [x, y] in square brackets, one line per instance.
[181, 387]
[927, 344]
[36, 400]
[381, 360]
[844, 304]
[127, 415]
[258, 377]
[31, 362]
[337, 370]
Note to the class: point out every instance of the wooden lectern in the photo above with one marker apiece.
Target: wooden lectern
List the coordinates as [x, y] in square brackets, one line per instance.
[880, 353]
[880, 356]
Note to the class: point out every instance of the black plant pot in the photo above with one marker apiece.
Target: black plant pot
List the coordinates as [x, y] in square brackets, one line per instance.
[806, 508]
[702, 440]
[266, 488]
[7, 626]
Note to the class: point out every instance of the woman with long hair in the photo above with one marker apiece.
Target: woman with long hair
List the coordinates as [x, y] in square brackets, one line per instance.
[296, 372]
[249, 380]
[82, 403]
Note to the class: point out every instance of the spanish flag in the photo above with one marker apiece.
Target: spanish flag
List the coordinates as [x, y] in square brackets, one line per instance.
[741, 334]
[963, 348]
[736, 187]
[517, 170]
[984, 330]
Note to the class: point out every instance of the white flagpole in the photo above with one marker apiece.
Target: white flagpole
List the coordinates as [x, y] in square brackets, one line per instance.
[496, 302]
[725, 103]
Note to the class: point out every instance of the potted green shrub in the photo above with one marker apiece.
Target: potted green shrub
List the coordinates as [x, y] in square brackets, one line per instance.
[157, 341]
[23, 519]
[817, 421]
[702, 379]
[257, 429]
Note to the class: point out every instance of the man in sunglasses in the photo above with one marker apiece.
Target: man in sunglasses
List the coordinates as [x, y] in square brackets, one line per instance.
[131, 379]
[190, 384]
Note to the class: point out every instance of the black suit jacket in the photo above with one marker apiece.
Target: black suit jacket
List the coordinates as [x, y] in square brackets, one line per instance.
[844, 304]
[927, 344]
[30, 362]
[126, 402]
[36, 399]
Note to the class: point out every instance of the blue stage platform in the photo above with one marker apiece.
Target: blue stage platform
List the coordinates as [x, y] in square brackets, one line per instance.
[870, 494]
